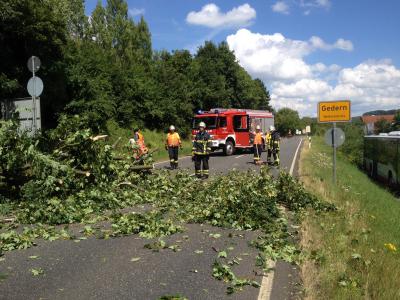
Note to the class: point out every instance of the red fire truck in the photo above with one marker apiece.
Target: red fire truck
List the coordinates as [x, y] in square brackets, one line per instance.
[232, 129]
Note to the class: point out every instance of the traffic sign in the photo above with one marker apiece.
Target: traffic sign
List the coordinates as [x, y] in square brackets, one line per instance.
[33, 63]
[334, 111]
[35, 86]
[334, 137]
[308, 129]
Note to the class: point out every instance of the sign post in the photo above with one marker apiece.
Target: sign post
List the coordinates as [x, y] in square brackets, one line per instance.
[35, 86]
[332, 112]
[334, 153]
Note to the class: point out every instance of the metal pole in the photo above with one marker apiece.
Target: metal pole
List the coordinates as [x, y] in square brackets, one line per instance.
[334, 153]
[34, 97]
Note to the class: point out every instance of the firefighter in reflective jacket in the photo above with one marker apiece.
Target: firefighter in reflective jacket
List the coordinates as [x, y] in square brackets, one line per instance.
[267, 145]
[258, 145]
[172, 144]
[139, 139]
[274, 145]
[201, 151]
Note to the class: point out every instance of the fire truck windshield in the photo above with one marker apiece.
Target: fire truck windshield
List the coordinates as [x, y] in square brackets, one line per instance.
[211, 122]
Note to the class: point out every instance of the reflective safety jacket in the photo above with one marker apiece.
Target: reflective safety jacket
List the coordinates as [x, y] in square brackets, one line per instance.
[202, 143]
[173, 140]
[268, 139]
[274, 141]
[139, 137]
[258, 138]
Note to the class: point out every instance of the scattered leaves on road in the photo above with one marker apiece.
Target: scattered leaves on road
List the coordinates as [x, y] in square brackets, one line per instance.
[37, 272]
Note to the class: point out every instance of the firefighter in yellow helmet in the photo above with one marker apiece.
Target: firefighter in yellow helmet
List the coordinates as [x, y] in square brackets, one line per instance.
[274, 145]
[201, 151]
[258, 145]
[172, 144]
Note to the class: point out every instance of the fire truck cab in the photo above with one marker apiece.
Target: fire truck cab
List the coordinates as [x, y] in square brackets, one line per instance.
[232, 129]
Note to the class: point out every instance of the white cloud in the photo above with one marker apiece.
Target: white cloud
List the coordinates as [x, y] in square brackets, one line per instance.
[294, 83]
[309, 5]
[280, 7]
[136, 11]
[211, 16]
[344, 45]
[275, 57]
[315, 4]
[371, 74]
[323, 3]
[341, 44]
[308, 88]
[370, 85]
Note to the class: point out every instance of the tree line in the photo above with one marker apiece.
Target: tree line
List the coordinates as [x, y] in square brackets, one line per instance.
[104, 66]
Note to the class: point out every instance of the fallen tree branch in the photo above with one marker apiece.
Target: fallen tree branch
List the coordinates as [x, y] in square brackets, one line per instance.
[141, 167]
[116, 143]
[126, 183]
[98, 137]
[7, 220]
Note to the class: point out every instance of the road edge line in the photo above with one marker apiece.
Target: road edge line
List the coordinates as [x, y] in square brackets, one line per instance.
[294, 158]
[267, 281]
[166, 161]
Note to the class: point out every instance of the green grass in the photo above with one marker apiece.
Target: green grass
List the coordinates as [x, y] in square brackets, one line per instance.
[153, 139]
[350, 260]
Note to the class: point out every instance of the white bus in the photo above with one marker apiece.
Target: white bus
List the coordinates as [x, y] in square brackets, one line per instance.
[382, 157]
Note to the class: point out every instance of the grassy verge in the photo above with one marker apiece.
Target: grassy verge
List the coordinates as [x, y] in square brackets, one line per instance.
[154, 140]
[351, 249]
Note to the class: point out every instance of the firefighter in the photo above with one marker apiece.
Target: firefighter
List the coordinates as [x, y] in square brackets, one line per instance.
[172, 144]
[201, 152]
[139, 139]
[274, 145]
[267, 145]
[258, 145]
[138, 136]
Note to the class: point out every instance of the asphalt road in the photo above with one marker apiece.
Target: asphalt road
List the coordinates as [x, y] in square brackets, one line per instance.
[104, 269]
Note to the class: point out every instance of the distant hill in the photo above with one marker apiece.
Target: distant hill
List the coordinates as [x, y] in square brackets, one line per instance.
[381, 112]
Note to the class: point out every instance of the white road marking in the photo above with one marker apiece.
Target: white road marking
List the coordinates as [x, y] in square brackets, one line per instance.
[240, 156]
[267, 281]
[266, 284]
[167, 161]
[294, 158]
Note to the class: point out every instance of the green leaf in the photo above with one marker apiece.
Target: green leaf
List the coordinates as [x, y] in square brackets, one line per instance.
[215, 235]
[222, 254]
[37, 272]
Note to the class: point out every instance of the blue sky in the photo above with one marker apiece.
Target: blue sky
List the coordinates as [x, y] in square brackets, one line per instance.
[304, 50]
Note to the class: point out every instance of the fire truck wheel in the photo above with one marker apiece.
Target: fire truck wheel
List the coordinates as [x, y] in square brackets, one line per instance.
[229, 148]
